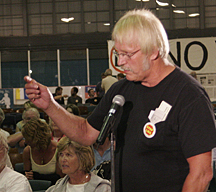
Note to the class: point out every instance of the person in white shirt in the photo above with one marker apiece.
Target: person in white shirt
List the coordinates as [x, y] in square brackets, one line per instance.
[10, 180]
[6, 135]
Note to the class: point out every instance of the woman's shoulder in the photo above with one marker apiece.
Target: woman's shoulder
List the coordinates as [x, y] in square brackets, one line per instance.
[59, 186]
[27, 149]
[98, 180]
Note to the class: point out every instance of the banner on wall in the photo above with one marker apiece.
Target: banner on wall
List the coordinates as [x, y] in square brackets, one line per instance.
[6, 98]
[20, 94]
[190, 54]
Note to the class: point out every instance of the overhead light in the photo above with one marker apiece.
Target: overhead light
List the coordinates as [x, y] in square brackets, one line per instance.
[161, 3]
[173, 5]
[67, 19]
[143, 0]
[179, 11]
[89, 22]
[193, 14]
[106, 24]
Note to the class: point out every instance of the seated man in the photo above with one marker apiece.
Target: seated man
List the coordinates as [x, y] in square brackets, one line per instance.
[92, 99]
[58, 95]
[74, 98]
[102, 152]
[10, 180]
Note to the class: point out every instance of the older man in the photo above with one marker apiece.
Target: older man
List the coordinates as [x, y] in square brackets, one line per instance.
[10, 180]
[166, 128]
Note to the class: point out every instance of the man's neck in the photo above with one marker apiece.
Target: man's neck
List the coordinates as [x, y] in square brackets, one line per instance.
[157, 72]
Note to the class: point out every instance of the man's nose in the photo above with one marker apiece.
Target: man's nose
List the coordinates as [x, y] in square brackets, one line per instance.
[121, 60]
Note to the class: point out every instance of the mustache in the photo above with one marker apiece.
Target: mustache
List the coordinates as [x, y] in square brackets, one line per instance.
[126, 68]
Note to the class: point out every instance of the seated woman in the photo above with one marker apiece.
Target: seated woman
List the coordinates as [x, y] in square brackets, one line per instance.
[17, 139]
[39, 156]
[76, 161]
[56, 132]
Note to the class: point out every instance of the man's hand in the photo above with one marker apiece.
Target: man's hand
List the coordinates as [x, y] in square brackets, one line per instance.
[38, 93]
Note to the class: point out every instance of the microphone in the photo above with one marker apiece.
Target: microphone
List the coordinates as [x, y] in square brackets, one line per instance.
[117, 102]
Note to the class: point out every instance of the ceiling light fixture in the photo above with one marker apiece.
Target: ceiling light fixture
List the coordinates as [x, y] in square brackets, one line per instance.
[67, 19]
[193, 14]
[142, 0]
[106, 24]
[179, 11]
[161, 3]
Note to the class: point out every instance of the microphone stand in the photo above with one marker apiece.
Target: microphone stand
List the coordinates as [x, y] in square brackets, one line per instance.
[112, 163]
[100, 140]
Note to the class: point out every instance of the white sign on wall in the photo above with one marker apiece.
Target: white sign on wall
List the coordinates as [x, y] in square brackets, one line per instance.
[190, 54]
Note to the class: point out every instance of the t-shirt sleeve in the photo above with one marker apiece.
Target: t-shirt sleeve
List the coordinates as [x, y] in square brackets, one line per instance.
[197, 127]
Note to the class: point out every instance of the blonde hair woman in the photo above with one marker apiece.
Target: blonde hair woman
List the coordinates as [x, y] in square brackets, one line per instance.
[40, 155]
[76, 161]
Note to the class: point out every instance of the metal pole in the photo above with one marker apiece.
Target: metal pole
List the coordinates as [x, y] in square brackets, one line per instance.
[87, 59]
[0, 72]
[29, 64]
[112, 163]
[58, 64]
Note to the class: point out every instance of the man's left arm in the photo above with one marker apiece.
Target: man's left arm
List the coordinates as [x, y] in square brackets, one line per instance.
[200, 173]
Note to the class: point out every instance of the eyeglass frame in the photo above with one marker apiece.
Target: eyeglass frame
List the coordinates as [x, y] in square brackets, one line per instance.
[129, 55]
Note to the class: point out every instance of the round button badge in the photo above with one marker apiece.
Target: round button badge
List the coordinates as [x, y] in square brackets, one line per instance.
[149, 130]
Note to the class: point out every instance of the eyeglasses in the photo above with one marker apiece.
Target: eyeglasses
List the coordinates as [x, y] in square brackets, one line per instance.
[129, 55]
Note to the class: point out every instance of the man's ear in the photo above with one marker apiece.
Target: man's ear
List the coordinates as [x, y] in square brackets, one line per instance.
[154, 55]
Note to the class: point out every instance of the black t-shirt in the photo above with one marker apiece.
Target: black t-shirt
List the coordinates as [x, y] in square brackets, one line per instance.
[74, 100]
[93, 101]
[60, 101]
[158, 163]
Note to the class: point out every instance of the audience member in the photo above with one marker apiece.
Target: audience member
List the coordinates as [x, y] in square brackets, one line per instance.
[72, 108]
[193, 74]
[10, 180]
[108, 81]
[6, 135]
[28, 104]
[92, 100]
[165, 132]
[40, 155]
[56, 132]
[103, 170]
[2, 117]
[27, 115]
[58, 95]
[101, 152]
[76, 161]
[16, 139]
[74, 98]
[120, 76]
[99, 90]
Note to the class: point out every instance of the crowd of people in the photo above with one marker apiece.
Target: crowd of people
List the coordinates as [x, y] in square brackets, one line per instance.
[164, 133]
[48, 155]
